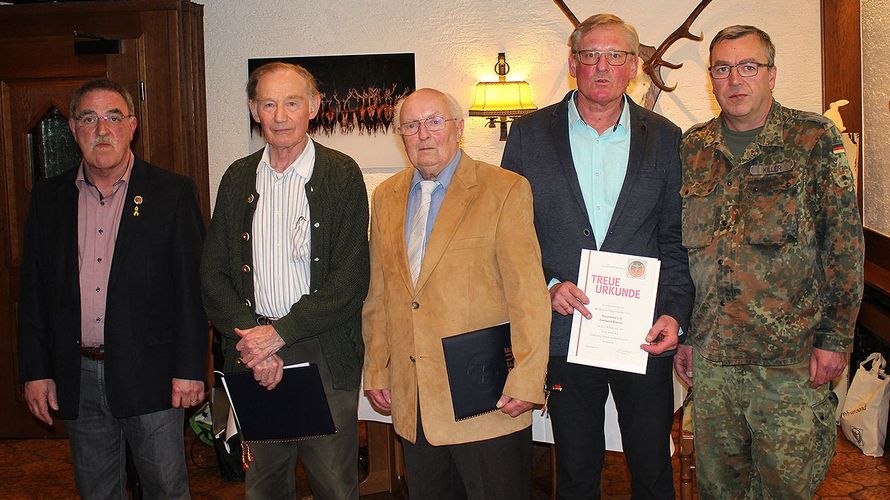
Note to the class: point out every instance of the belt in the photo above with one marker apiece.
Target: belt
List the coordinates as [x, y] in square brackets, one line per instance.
[265, 320]
[96, 353]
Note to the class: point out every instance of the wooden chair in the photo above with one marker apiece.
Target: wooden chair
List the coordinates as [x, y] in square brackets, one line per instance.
[687, 449]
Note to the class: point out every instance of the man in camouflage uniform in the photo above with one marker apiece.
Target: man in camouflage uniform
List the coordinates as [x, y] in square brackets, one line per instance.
[776, 253]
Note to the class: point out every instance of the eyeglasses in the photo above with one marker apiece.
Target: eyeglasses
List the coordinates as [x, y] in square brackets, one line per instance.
[432, 124]
[591, 57]
[745, 69]
[90, 120]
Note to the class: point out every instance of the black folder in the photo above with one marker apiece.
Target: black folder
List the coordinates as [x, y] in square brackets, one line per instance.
[477, 363]
[295, 409]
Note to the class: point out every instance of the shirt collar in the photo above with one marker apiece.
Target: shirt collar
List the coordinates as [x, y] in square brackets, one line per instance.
[771, 135]
[302, 166]
[621, 125]
[444, 177]
[81, 180]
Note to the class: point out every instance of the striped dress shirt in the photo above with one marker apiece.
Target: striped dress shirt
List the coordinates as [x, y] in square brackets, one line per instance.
[281, 234]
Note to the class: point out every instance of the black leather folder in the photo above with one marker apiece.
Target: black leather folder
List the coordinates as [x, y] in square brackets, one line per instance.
[295, 409]
[477, 363]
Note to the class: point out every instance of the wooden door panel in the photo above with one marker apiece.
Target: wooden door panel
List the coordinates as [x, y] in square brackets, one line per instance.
[46, 57]
[28, 95]
[25, 103]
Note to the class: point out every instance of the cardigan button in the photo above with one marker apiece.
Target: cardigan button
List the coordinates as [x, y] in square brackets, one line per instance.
[245, 236]
[245, 268]
[316, 224]
[586, 232]
[415, 305]
[412, 359]
[250, 198]
[248, 303]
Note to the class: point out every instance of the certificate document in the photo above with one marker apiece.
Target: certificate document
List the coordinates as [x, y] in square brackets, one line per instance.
[622, 290]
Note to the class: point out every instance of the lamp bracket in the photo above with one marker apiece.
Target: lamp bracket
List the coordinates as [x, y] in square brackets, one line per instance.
[502, 68]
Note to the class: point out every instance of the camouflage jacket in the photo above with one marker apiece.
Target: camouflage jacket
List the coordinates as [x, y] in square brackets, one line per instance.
[775, 241]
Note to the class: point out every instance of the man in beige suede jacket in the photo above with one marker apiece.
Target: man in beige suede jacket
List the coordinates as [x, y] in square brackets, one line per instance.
[473, 263]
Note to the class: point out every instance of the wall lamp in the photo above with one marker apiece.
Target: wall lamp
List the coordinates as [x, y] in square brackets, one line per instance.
[502, 100]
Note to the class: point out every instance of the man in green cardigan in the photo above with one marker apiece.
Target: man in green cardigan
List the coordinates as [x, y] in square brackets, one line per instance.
[284, 273]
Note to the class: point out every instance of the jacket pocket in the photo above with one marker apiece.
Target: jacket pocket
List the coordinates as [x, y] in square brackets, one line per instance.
[770, 211]
[825, 437]
[700, 213]
[466, 243]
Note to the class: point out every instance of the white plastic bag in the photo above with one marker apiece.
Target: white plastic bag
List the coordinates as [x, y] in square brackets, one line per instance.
[864, 419]
[839, 386]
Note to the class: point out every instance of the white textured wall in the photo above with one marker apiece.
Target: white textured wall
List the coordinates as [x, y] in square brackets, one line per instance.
[456, 44]
[875, 16]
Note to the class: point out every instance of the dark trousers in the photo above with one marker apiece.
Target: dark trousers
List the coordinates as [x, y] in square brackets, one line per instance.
[645, 416]
[497, 468]
[98, 442]
[330, 462]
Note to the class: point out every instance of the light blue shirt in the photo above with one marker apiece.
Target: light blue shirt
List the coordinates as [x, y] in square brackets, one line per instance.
[601, 165]
[443, 180]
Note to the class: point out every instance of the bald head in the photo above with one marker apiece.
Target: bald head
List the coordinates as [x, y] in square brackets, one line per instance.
[430, 151]
[454, 109]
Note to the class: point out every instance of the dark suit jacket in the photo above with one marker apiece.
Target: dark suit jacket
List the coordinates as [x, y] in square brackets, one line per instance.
[155, 328]
[646, 220]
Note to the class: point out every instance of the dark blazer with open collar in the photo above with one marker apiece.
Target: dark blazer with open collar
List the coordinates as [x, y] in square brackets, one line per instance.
[646, 220]
[155, 327]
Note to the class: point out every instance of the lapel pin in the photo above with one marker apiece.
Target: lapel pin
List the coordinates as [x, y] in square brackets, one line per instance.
[137, 200]
[135, 211]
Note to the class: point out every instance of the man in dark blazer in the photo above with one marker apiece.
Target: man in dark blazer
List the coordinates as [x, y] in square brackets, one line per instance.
[112, 334]
[605, 174]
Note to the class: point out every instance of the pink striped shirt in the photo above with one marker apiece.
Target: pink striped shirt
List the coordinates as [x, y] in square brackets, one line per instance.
[98, 219]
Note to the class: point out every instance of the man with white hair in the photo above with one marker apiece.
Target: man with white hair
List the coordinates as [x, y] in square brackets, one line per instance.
[453, 250]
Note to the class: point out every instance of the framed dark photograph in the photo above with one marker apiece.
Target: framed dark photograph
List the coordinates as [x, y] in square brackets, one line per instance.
[358, 92]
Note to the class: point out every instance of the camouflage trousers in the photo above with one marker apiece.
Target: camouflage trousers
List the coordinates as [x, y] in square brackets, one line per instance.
[761, 431]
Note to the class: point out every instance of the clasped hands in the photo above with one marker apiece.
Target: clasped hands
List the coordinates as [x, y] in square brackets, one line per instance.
[258, 347]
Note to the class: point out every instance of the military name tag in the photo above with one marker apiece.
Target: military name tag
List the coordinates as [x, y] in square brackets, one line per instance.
[772, 169]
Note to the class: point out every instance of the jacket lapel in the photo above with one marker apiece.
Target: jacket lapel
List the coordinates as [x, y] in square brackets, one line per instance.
[69, 251]
[559, 128]
[460, 194]
[638, 137]
[395, 211]
[138, 188]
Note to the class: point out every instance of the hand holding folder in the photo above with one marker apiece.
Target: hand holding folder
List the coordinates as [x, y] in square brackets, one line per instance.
[296, 409]
[477, 363]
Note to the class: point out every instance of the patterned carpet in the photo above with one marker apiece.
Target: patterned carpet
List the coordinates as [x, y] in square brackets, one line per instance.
[41, 469]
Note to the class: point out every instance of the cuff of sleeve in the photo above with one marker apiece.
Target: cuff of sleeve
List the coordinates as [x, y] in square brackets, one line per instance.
[287, 328]
[683, 338]
[524, 391]
[377, 380]
[831, 342]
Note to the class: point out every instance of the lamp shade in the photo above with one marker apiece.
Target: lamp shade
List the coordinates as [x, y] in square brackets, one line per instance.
[502, 99]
